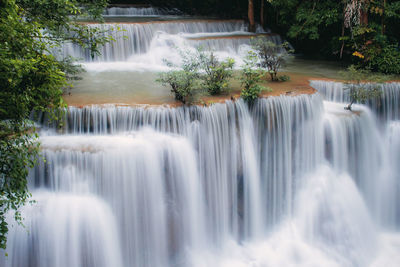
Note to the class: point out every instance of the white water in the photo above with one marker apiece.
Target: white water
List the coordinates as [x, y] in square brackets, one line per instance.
[143, 46]
[293, 181]
[387, 105]
[290, 181]
[64, 230]
[139, 11]
[139, 36]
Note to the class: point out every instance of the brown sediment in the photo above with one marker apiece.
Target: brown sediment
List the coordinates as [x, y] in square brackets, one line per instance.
[326, 79]
[87, 99]
[130, 5]
[298, 84]
[244, 36]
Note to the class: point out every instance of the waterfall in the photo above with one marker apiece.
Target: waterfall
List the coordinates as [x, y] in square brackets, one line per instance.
[287, 180]
[391, 184]
[139, 11]
[353, 141]
[139, 36]
[387, 105]
[145, 45]
[165, 190]
[64, 230]
[284, 181]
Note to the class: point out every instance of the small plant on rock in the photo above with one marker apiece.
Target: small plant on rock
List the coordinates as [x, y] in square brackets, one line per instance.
[284, 78]
[182, 83]
[216, 73]
[272, 56]
[250, 78]
[356, 83]
[183, 80]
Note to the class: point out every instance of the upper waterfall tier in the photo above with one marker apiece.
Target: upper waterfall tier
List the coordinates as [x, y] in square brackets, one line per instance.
[387, 105]
[139, 11]
[159, 38]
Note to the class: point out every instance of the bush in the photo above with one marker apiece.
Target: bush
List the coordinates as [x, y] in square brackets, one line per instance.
[250, 79]
[217, 73]
[383, 58]
[356, 83]
[284, 78]
[272, 56]
[183, 84]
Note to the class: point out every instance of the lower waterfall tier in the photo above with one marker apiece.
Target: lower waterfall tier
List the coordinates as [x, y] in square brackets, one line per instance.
[287, 181]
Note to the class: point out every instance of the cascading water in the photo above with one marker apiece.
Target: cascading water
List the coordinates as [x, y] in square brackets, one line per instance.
[184, 186]
[139, 11]
[387, 105]
[141, 35]
[65, 229]
[287, 181]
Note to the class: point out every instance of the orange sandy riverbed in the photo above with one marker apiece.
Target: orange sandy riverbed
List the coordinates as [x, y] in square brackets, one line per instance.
[298, 84]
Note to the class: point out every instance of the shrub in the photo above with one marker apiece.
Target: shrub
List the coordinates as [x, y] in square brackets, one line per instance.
[284, 78]
[356, 83]
[216, 73]
[272, 56]
[250, 79]
[183, 84]
[383, 58]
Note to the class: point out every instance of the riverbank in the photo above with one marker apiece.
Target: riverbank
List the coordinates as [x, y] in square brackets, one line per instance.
[298, 84]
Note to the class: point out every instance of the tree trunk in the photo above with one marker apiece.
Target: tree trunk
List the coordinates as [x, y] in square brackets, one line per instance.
[364, 17]
[383, 17]
[342, 48]
[250, 13]
[262, 14]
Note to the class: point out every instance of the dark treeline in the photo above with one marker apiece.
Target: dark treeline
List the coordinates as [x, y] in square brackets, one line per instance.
[219, 8]
[364, 32]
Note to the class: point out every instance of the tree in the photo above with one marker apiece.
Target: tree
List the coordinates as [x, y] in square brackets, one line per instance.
[250, 79]
[183, 79]
[262, 5]
[31, 78]
[357, 84]
[199, 69]
[183, 84]
[250, 15]
[272, 56]
[216, 72]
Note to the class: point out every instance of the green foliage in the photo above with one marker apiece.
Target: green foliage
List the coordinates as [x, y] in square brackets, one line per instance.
[310, 25]
[312, 17]
[18, 150]
[217, 73]
[198, 69]
[183, 84]
[250, 78]
[392, 10]
[358, 83]
[272, 56]
[57, 21]
[284, 78]
[383, 58]
[32, 79]
[338, 29]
